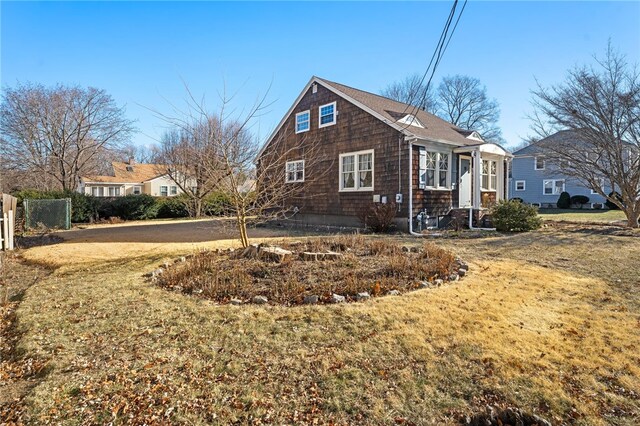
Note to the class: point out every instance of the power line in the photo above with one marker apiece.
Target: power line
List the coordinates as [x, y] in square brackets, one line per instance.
[438, 53]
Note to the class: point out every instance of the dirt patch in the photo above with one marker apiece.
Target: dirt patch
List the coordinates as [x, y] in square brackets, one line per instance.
[345, 268]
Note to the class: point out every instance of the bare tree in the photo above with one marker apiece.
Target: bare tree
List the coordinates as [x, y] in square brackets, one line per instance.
[601, 105]
[219, 151]
[463, 101]
[413, 91]
[190, 152]
[57, 133]
[140, 153]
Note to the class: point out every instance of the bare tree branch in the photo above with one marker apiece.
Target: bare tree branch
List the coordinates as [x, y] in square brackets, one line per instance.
[59, 134]
[601, 105]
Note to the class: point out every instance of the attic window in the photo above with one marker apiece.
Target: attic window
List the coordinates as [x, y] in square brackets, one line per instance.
[129, 168]
[411, 120]
[327, 115]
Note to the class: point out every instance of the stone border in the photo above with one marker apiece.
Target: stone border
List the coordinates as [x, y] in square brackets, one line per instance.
[277, 255]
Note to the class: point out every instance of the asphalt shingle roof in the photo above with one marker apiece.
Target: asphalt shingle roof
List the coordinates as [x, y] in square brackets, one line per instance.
[139, 173]
[435, 128]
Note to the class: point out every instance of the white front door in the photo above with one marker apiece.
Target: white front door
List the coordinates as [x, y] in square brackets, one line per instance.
[464, 187]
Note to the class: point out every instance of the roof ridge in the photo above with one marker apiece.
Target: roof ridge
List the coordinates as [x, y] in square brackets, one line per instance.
[403, 104]
[374, 94]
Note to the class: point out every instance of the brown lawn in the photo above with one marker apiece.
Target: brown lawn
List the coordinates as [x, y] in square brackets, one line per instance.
[547, 321]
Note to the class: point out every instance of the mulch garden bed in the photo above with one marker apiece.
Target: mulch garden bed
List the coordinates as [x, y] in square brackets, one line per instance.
[332, 270]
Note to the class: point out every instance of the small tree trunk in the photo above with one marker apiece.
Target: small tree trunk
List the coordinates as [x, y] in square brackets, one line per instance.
[242, 228]
[632, 213]
[197, 207]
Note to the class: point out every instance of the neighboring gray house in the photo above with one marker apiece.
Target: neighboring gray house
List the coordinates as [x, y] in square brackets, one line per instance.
[533, 180]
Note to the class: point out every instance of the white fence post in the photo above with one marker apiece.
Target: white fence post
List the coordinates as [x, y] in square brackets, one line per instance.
[11, 224]
[5, 231]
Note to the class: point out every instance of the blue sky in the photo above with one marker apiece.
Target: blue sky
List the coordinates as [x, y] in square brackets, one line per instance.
[141, 52]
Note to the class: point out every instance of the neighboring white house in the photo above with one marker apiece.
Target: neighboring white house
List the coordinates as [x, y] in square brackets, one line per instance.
[131, 178]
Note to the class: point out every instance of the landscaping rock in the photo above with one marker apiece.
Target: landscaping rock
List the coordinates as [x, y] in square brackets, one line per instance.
[274, 254]
[250, 252]
[438, 282]
[415, 250]
[336, 298]
[157, 272]
[425, 284]
[393, 293]
[453, 277]
[405, 249]
[464, 266]
[462, 272]
[311, 300]
[236, 302]
[362, 296]
[332, 255]
[308, 256]
[259, 300]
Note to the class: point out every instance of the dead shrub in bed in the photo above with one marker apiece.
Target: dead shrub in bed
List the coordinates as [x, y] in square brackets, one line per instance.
[378, 217]
[366, 265]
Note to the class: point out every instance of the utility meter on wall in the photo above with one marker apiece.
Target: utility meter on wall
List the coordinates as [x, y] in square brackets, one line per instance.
[398, 198]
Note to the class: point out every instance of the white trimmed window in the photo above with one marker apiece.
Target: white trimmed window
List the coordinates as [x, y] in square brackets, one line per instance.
[327, 115]
[553, 187]
[174, 190]
[356, 171]
[434, 169]
[303, 121]
[540, 163]
[114, 191]
[489, 175]
[521, 185]
[295, 171]
[97, 191]
[137, 190]
[164, 191]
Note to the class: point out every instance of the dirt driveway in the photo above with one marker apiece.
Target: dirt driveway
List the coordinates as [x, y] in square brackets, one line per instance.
[184, 231]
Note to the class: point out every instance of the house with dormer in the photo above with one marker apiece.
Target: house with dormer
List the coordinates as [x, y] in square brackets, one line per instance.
[377, 150]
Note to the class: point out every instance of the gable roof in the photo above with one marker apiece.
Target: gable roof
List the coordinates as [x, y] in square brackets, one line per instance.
[435, 128]
[537, 147]
[139, 173]
[389, 112]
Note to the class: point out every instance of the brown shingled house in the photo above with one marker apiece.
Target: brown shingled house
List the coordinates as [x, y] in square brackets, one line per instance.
[131, 178]
[377, 150]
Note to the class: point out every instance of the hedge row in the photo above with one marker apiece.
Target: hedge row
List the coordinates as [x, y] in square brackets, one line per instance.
[86, 208]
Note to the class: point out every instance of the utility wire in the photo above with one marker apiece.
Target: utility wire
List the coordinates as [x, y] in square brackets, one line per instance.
[441, 48]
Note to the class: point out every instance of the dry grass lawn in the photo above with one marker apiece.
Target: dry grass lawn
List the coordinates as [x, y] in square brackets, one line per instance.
[547, 321]
[583, 215]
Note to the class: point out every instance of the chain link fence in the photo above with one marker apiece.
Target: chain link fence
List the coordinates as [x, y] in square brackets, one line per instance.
[53, 214]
